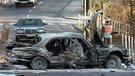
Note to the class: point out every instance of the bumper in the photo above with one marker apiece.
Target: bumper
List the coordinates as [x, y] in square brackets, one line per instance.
[25, 37]
[127, 58]
[23, 2]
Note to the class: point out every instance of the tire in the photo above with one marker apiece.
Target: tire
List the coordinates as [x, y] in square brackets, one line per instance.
[113, 61]
[33, 4]
[39, 63]
[17, 5]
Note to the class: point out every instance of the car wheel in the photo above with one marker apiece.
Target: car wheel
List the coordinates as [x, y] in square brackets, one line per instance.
[39, 63]
[16, 5]
[113, 61]
[33, 4]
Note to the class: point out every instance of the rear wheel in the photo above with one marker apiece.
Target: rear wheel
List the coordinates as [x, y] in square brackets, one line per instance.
[113, 61]
[39, 63]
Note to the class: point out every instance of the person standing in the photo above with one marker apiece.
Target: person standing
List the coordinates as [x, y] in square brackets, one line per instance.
[87, 31]
[106, 32]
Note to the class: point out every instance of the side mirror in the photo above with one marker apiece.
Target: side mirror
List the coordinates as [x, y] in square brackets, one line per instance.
[45, 23]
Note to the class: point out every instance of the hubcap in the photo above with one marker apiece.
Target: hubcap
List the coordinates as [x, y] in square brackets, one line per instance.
[111, 63]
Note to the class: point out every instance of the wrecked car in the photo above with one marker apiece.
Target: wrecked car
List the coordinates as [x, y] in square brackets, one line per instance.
[66, 49]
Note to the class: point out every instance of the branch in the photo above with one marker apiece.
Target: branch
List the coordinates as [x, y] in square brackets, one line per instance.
[131, 11]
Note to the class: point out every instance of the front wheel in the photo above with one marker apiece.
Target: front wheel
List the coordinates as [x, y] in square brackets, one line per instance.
[17, 5]
[113, 61]
[39, 63]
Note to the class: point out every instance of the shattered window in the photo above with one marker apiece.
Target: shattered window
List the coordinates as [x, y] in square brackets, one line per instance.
[73, 46]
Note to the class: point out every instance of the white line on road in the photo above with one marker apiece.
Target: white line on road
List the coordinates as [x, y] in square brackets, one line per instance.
[30, 11]
[28, 15]
[1, 23]
[41, 2]
[11, 23]
[51, 23]
[34, 7]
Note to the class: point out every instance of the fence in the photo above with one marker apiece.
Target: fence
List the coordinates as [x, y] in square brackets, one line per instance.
[122, 39]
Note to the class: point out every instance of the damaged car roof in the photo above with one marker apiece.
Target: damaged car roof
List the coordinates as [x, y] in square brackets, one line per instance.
[63, 34]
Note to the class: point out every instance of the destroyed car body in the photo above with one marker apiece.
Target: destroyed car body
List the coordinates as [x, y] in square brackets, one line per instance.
[66, 49]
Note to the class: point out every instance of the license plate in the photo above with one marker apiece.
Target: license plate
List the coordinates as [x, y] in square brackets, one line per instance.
[31, 35]
[23, 2]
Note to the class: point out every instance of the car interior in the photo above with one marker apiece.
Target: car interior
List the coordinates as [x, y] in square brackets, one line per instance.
[68, 49]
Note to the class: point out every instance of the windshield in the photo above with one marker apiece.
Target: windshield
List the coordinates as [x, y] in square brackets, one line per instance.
[23, 22]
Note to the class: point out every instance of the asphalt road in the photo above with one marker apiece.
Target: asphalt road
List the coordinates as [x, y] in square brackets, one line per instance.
[50, 11]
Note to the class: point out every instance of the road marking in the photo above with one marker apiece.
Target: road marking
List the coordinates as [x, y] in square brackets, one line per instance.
[41, 2]
[1, 23]
[30, 11]
[51, 23]
[34, 7]
[28, 15]
[11, 23]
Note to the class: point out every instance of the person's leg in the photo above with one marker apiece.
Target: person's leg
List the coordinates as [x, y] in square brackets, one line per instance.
[105, 41]
[108, 41]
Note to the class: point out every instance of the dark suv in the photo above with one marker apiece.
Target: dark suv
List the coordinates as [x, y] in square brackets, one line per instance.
[28, 28]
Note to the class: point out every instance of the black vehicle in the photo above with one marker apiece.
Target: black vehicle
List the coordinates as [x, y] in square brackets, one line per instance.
[28, 28]
[66, 49]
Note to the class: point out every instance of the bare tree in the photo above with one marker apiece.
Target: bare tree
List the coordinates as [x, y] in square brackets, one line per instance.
[131, 12]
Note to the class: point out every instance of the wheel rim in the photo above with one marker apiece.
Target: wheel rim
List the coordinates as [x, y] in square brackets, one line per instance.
[111, 63]
[39, 63]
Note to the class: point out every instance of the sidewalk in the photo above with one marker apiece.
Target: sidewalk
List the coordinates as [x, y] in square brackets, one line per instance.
[73, 9]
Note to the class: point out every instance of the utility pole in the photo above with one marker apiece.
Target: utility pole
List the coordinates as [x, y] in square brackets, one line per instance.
[85, 8]
[84, 19]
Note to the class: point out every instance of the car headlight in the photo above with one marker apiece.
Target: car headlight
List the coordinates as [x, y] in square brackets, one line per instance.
[41, 30]
[19, 31]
